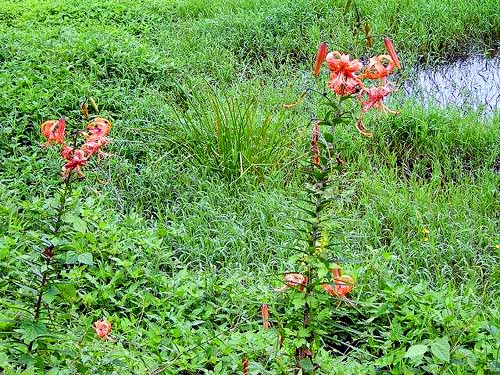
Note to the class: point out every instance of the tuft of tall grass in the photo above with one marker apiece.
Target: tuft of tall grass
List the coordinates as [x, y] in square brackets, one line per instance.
[232, 136]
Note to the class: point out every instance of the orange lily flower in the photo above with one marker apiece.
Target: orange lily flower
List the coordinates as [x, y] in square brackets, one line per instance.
[293, 279]
[92, 146]
[343, 79]
[343, 285]
[389, 46]
[77, 159]
[54, 131]
[99, 128]
[342, 64]
[264, 312]
[102, 328]
[320, 57]
[95, 139]
[373, 98]
[379, 67]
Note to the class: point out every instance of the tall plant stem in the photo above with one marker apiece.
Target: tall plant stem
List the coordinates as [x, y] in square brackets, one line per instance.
[317, 196]
[47, 254]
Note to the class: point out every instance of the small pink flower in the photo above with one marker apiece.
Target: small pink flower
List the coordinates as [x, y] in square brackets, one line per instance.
[102, 328]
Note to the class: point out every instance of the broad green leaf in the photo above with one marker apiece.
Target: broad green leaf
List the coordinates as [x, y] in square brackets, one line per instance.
[78, 223]
[306, 365]
[51, 294]
[30, 331]
[4, 360]
[68, 291]
[71, 257]
[86, 258]
[441, 349]
[416, 351]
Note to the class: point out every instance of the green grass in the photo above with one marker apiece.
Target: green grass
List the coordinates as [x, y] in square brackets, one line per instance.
[187, 226]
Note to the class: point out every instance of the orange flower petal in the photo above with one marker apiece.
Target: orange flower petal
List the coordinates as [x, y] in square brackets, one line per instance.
[54, 130]
[343, 285]
[362, 130]
[293, 279]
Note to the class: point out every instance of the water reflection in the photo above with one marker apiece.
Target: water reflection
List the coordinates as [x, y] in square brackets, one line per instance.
[471, 83]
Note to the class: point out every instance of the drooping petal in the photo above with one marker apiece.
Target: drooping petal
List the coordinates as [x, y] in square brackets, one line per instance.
[100, 127]
[297, 102]
[342, 64]
[372, 97]
[293, 279]
[77, 159]
[379, 67]
[344, 85]
[362, 130]
[341, 287]
[54, 131]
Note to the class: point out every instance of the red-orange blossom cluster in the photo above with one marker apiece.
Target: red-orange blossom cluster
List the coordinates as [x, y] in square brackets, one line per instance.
[95, 139]
[347, 77]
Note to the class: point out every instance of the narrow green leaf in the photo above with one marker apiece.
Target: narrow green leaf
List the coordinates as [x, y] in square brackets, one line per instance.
[347, 6]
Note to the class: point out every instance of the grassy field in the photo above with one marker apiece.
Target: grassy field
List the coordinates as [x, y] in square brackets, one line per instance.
[181, 234]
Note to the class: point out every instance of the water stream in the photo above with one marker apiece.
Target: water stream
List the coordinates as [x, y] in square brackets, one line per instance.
[473, 83]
